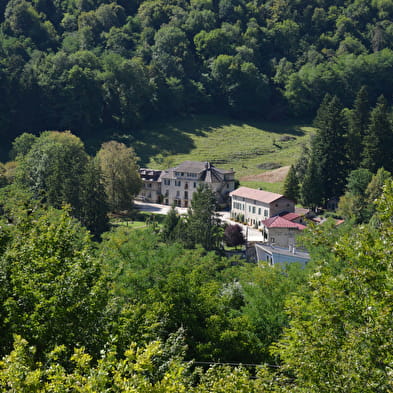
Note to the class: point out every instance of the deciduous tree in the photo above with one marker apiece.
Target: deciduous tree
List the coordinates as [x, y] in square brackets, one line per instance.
[120, 174]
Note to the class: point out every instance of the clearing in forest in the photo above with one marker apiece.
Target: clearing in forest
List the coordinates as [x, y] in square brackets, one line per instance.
[259, 152]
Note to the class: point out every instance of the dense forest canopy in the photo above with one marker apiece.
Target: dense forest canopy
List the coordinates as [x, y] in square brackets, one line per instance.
[100, 66]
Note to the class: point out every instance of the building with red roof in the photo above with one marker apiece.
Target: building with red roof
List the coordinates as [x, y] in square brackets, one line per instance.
[253, 206]
[280, 232]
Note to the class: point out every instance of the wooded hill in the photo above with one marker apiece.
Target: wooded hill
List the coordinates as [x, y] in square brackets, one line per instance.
[100, 66]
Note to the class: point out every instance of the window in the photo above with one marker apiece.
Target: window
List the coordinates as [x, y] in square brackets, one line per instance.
[259, 211]
[185, 194]
[186, 186]
[195, 184]
[177, 194]
[253, 210]
[167, 182]
[177, 183]
[266, 213]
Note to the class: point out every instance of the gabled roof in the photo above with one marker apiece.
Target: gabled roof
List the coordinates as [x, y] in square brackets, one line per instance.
[205, 170]
[290, 216]
[280, 222]
[198, 166]
[149, 174]
[257, 195]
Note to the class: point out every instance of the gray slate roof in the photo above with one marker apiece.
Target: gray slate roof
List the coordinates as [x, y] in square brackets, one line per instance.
[206, 171]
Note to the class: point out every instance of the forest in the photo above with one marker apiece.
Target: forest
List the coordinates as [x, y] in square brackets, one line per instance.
[100, 67]
[89, 306]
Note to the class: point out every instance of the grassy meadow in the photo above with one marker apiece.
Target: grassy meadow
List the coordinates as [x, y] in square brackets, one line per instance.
[250, 148]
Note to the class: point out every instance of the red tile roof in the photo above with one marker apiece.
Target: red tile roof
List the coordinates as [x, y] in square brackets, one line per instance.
[280, 222]
[257, 195]
[291, 216]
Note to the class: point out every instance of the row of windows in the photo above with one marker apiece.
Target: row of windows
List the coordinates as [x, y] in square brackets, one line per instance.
[167, 182]
[188, 174]
[251, 209]
[237, 205]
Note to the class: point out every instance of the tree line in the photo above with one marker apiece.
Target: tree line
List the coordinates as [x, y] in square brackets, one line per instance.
[55, 170]
[99, 67]
[349, 156]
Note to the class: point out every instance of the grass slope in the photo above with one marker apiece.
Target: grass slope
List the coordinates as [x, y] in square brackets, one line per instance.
[248, 147]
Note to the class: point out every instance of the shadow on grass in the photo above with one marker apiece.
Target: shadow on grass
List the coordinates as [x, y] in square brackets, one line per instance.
[175, 137]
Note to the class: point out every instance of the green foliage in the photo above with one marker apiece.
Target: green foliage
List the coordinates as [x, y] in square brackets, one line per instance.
[340, 328]
[378, 138]
[56, 169]
[53, 291]
[291, 185]
[239, 56]
[328, 147]
[120, 174]
[162, 287]
[358, 119]
[169, 224]
[22, 145]
[203, 226]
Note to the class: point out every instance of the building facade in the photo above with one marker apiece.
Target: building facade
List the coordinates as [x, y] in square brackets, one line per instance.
[177, 185]
[254, 206]
[151, 185]
[280, 232]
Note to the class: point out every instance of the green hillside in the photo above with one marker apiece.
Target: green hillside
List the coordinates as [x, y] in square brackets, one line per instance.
[250, 148]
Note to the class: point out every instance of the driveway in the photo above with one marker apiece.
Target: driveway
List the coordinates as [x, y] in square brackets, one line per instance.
[157, 208]
[251, 234]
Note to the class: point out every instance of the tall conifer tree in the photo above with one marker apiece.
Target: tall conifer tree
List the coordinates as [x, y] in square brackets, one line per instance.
[357, 125]
[379, 139]
[291, 185]
[311, 187]
[328, 148]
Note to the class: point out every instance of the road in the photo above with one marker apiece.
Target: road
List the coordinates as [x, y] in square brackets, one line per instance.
[251, 234]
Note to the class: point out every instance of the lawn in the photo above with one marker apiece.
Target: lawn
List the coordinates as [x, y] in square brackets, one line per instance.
[137, 220]
[250, 148]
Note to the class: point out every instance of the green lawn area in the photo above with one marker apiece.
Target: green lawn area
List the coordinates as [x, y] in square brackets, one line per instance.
[247, 147]
[137, 220]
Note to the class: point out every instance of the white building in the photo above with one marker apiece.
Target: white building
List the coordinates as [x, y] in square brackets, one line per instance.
[151, 185]
[178, 184]
[253, 206]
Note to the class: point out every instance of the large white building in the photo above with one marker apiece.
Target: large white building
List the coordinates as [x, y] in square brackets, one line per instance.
[177, 185]
[254, 206]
